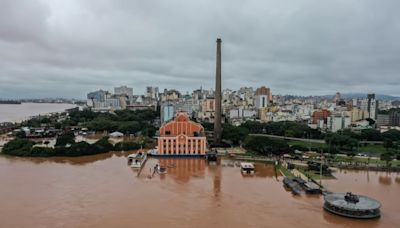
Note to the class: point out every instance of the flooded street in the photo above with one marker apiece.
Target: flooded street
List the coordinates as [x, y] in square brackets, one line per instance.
[102, 191]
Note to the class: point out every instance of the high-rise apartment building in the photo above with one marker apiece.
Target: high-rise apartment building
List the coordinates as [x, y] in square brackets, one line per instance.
[263, 97]
[123, 90]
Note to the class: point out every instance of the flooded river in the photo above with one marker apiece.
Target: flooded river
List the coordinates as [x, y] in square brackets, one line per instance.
[102, 191]
[19, 112]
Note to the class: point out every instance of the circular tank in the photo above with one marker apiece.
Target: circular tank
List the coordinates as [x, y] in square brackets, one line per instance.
[351, 205]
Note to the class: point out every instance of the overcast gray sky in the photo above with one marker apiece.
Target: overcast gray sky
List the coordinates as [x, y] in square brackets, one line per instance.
[66, 48]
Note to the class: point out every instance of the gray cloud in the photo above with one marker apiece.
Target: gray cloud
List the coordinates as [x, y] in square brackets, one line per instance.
[68, 48]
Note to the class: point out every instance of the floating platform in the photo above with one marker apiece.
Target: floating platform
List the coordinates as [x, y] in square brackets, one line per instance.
[308, 186]
[353, 206]
[292, 185]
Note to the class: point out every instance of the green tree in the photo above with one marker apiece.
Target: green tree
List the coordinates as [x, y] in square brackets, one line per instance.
[371, 135]
[392, 134]
[129, 127]
[66, 138]
[18, 147]
[234, 134]
[387, 156]
[351, 143]
[102, 145]
[42, 152]
[266, 146]
[387, 143]
[149, 131]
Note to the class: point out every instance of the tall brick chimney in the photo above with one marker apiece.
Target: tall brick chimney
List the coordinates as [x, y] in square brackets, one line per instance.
[218, 96]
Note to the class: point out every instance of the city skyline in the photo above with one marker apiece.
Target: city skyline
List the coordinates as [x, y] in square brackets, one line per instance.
[67, 48]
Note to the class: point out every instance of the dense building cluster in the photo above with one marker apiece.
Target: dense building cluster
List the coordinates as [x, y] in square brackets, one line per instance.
[325, 113]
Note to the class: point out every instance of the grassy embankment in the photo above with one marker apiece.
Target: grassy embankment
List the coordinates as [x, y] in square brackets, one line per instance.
[285, 171]
[369, 149]
[312, 174]
[372, 150]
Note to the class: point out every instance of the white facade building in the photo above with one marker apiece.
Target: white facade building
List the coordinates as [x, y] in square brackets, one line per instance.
[123, 90]
[338, 122]
[261, 101]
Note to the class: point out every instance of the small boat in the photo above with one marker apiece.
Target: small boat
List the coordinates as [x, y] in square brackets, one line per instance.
[137, 160]
[160, 169]
[292, 185]
[247, 167]
[152, 152]
[211, 156]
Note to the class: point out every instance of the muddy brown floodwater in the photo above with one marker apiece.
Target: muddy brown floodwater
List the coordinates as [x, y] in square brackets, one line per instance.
[19, 112]
[102, 191]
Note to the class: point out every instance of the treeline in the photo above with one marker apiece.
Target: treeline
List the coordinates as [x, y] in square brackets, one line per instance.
[344, 140]
[266, 146]
[236, 135]
[66, 146]
[301, 130]
[125, 121]
[351, 139]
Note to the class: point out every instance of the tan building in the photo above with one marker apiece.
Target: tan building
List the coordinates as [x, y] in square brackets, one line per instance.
[208, 105]
[358, 114]
[263, 113]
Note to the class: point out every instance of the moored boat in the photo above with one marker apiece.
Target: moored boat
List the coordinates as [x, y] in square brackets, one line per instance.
[137, 160]
[247, 167]
[160, 169]
[211, 156]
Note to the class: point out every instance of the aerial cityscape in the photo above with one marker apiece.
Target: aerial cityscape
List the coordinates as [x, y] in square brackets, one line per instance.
[163, 125]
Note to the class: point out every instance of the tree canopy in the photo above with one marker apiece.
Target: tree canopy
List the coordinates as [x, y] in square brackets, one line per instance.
[266, 146]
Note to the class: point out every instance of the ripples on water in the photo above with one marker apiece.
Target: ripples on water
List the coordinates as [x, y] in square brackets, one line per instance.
[102, 191]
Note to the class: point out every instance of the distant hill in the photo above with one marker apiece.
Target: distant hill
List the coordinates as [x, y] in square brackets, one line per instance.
[345, 96]
[348, 96]
[378, 96]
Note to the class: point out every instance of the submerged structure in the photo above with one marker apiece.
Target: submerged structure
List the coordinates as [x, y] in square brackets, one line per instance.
[351, 205]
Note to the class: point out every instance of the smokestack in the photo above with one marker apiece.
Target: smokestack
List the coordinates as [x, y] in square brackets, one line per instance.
[217, 119]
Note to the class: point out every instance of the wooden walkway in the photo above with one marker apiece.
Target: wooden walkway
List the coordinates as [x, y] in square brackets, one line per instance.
[297, 173]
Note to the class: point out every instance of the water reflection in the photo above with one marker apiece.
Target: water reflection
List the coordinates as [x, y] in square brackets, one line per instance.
[339, 221]
[385, 180]
[183, 170]
[81, 160]
[216, 172]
